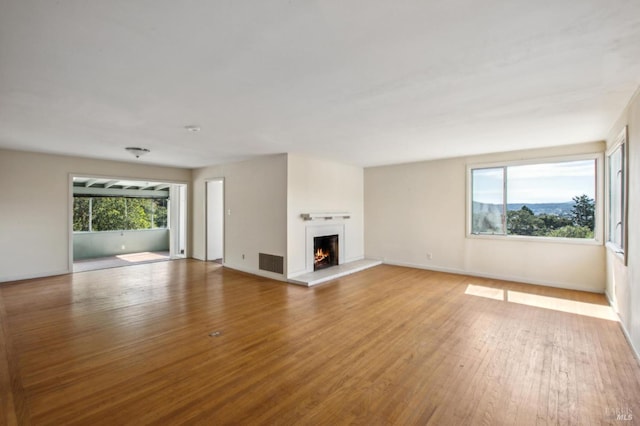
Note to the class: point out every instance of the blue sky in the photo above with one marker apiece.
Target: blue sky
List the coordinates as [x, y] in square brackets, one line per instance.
[536, 183]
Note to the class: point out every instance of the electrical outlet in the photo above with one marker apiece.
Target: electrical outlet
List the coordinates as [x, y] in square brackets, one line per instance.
[243, 257]
[429, 256]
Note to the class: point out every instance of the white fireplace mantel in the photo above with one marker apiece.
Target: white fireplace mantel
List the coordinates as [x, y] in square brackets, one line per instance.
[325, 216]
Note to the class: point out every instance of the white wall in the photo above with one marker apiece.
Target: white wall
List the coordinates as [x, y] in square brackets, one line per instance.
[316, 185]
[419, 208]
[35, 208]
[623, 282]
[256, 194]
[215, 217]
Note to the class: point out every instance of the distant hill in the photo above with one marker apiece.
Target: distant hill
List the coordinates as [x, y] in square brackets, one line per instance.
[560, 209]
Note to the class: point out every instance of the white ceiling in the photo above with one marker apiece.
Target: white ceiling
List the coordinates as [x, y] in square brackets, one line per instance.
[362, 82]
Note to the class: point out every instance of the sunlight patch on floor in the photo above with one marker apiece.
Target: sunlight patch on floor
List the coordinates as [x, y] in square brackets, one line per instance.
[482, 291]
[141, 257]
[546, 302]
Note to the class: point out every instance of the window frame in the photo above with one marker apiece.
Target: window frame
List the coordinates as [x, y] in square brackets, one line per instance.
[598, 234]
[619, 144]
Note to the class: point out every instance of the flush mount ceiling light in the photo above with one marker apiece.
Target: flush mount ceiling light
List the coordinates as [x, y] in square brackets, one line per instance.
[192, 128]
[137, 151]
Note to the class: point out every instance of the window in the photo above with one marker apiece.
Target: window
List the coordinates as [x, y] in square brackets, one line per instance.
[545, 199]
[118, 213]
[617, 165]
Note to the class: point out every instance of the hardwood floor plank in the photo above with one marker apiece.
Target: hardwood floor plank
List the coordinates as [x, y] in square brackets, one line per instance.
[11, 404]
[385, 346]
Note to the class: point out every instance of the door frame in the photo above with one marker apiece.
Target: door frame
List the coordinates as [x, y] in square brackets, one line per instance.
[206, 217]
[71, 175]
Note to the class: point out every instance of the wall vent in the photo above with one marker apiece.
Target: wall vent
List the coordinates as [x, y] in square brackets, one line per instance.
[271, 263]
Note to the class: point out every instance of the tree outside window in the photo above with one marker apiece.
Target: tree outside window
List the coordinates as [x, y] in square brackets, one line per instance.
[552, 199]
[118, 213]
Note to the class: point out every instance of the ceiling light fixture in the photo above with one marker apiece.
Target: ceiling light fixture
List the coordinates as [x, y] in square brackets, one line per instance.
[192, 128]
[137, 151]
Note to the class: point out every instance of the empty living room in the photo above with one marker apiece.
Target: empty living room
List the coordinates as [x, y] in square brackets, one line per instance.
[380, 213]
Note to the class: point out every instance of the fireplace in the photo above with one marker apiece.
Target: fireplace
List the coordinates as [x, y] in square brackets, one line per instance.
[325, 251]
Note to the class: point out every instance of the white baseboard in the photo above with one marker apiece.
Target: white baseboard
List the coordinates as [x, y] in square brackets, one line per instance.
[624, 328]
[492, 276]
[22, 277]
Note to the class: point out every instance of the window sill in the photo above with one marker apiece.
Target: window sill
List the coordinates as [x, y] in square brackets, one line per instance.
[615, 250]
[528, 239]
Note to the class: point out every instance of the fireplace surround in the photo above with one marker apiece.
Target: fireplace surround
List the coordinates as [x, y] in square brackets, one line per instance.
[313, 231]
[325, 251]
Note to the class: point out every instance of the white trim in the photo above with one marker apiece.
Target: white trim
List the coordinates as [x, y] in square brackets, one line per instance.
[206, 216]
[71, 175]
[620, 143]
[599, 197]
[536, 160]
[530, 239]
[325, 216]
[70, 222]
[623, 328]
[176, 218]
[620, 139]
[615, 250]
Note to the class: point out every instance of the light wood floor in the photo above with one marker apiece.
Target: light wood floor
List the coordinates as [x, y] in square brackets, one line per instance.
[388, 345]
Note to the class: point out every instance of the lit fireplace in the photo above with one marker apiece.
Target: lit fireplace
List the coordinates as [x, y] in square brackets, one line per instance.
[325, 251]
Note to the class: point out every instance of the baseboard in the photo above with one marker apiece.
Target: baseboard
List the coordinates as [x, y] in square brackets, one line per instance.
[623, 328]
[491, 276]
[264, 274]
[23, 277]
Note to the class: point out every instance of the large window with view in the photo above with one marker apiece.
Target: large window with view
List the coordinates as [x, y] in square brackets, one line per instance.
[554, 199]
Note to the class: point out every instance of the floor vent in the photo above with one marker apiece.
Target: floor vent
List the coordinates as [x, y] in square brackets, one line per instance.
[271, 263]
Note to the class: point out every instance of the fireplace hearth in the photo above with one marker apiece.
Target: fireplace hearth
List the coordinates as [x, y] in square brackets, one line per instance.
[325, 251]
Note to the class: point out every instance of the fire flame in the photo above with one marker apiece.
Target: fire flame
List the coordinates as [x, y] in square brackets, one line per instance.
[321, 255]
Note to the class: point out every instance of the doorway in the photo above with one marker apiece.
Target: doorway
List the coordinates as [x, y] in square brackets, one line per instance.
[178, 221]
[117, 222]
[215, 220]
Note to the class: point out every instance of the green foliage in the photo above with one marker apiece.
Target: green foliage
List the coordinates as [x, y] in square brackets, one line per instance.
[553, 221]
[108, 214]
[118, 213]
[81, 214]
[136, 214]
[580, 224]
[523, 222]
[583, 212]
[571, 231]
[160, 213]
